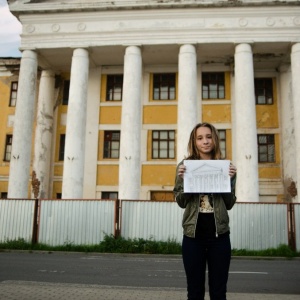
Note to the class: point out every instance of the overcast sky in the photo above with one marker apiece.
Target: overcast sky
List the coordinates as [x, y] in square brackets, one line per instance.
[10, 30]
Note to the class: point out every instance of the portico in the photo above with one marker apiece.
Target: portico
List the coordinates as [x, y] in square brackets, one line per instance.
[90, 43]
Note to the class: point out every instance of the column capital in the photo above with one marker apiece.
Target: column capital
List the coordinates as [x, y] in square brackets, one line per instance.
[284, 68]
[187, 48]
[29, 54]
[296, 47]
[133, 49]
[81, 52]
[243, 47]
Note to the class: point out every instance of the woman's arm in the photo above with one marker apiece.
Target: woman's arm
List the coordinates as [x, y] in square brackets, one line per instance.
[181, 198]
[230, 198]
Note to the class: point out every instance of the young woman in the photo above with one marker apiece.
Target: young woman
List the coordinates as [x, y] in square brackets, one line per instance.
[205, 222]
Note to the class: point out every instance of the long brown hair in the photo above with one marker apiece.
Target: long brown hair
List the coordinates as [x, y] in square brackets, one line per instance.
[193, 152]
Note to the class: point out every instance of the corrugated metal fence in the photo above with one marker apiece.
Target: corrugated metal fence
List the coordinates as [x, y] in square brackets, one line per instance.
[254, 226]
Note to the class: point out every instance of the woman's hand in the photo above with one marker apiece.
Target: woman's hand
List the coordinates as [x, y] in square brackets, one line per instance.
[181, 170]
[232, 170]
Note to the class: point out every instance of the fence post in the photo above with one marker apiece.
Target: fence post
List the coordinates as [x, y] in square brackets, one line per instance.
[117, 229]
[34, 239]
[35, 182]
[291, 226]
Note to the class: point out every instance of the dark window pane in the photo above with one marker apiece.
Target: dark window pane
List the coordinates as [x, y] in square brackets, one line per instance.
[266, 147]
[13, 93]
[163, 144]
[263, 90]
[3, 195]
[8, 147]
[114, 87]
[111, 147]
[213, 85]
[62, 140]
[66, 90]
[222, 136]
[109, 195]
[164, 86]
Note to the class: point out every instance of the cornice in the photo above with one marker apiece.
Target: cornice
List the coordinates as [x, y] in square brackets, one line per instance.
[32, 7]
[88, 29]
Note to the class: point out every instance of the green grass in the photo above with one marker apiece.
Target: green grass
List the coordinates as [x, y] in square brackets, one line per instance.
[121, 245]
[281, 251]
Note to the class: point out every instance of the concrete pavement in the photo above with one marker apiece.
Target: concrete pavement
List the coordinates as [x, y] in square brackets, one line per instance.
[27, 290]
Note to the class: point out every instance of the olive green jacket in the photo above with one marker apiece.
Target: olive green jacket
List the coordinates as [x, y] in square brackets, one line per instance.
[191, 202]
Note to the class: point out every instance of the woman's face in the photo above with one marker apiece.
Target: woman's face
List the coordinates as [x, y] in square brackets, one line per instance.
[204, 142]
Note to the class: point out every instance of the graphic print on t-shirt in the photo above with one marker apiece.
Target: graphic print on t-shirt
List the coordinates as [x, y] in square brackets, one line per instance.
[205, 206]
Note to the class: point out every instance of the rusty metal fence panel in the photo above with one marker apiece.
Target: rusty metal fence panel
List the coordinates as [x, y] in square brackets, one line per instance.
[159, 221]
[257, 226]
[16, 219]
[80, 222]
[297, 225]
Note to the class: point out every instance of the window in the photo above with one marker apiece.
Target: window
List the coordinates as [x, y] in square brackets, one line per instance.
[62, 140]
[266, 148]
[13, 93]
[164, 86]
[111, 144]
[114, 87]
[66, 90]
[8, 146]
[163, 144]
[162, 196]
[109, 195]
[222, 136]
[3, 195]
[263, 90]
[213, 86]
[58, 195]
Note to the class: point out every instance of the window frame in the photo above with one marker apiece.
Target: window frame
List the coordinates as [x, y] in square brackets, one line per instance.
[160, 81]
[13, 91]
[268, 89]
[267, 146]
[8, 147]
[113, 82]
[4, 195]
[109, 195]
[224, 151]
[66, 92]
[109, 149]
[209, 82]
[160, 140]
[62, 144]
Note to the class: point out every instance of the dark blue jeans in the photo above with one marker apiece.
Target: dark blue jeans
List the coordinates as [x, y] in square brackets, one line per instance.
[216, 253]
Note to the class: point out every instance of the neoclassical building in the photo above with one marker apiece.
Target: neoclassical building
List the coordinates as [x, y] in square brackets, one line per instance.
[108, 92]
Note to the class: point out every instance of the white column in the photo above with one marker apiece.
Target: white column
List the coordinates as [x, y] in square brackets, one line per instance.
[92, 134]
[246, 134]
[288, 132]
[44, 132]
[130, 156]
[23, 126]
[187, 98]
[75, 131]
[295, 63]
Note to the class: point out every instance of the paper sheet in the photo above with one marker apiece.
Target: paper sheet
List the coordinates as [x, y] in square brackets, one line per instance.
[207, 176]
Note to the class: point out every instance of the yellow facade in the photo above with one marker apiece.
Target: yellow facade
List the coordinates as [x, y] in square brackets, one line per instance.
[216, 113]
[157, 174]
[161, 175]
[107, 175]
[5, 112]
[160, 114]
[110, 115]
